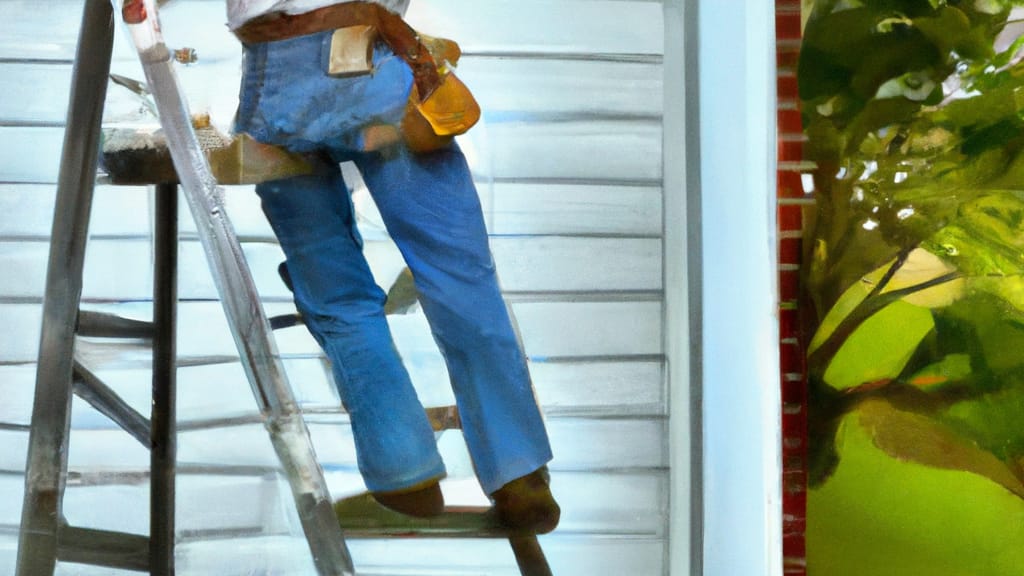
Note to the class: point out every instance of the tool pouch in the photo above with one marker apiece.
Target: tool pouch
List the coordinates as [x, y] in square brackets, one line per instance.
[351, 51]
[448, 111]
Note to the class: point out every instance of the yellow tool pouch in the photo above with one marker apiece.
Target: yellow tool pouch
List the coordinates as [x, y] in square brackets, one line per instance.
[449, 111]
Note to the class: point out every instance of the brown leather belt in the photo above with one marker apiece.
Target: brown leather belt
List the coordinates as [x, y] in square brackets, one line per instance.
[402, 39]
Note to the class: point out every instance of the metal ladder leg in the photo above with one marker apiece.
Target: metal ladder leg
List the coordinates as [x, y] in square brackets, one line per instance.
[163, 445]
[44, 536]
[47, 452]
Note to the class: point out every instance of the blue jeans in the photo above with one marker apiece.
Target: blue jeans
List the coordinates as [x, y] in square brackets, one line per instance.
[432, 212]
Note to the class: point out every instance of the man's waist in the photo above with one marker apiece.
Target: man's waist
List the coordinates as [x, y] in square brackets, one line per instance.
[402, 39]
[276, 26]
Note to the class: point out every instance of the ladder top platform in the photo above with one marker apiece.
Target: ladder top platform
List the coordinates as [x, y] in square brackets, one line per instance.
[138, 156]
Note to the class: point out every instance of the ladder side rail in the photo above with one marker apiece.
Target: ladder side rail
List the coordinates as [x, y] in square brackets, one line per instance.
[163, 416]
[249, 325]
[48, 436]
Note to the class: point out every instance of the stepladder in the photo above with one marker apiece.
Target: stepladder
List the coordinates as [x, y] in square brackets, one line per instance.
[46, 537]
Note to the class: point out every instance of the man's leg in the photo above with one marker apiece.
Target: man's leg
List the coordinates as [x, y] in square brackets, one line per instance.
[432, 211]
[344, 310]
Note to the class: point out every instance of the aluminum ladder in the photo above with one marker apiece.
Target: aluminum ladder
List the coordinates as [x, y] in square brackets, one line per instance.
[45, 537]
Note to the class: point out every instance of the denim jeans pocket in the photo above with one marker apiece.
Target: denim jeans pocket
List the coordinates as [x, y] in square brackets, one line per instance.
[288, 99]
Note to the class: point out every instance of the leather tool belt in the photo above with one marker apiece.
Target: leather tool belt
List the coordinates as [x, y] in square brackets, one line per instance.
[402, 39]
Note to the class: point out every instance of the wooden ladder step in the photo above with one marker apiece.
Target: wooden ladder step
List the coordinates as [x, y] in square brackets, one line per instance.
[361, 516]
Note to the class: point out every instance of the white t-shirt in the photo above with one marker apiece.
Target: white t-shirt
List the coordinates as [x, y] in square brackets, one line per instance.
[241, 11]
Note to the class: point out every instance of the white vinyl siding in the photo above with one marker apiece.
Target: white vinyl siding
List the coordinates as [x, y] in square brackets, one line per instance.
[568, 162]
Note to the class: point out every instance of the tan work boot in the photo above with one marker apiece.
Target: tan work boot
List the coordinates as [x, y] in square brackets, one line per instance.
[526, 503]
[422, 500]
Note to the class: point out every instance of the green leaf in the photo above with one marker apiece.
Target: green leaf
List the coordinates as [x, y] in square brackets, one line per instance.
[843, 307]
[953, 32]
[989, 328]
[993, 420]
[918, 268]
[880, 515]
[987, 237]
[916, 438]
[1004, 57]
[951, 368]
[881, 347]
[995, 105]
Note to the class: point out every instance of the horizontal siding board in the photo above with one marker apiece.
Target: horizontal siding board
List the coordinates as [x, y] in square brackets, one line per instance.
[559, 264]
[439, 557]
[116, 211]
[579, 445]
[114, 270]
[580, 329]
[557, 329]
[578, 555]
[576, 209]
[249, 504]
[38, 92]
[12, 486]
[540, 208]
[289, 556]
[549, 329]
[30, 154]
[19, 340]
[40, 30]
[588, 150]
[429, 557]
[121, 269]
[15, 450]
[573, 26]
[24, 101]
[510, 209]
[597, 503]
[221, 391]
[505, 88]
[577, 329]
[604, 388]
[49, 30]
[563, 87]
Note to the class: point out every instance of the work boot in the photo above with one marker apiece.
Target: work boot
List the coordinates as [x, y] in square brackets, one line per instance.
[423, 500]
[526, 503]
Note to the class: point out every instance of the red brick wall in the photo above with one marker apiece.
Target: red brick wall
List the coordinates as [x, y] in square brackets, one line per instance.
[791, 201]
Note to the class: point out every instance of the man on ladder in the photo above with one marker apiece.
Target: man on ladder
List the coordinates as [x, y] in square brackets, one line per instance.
[351, 81]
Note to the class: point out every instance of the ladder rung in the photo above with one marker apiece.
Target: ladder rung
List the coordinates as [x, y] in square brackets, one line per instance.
[89, 387]
[444, 418]
[106, 325]
[103, 548]
[285, 321]
[362, 517]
